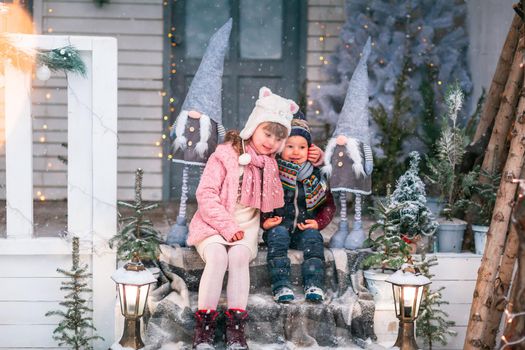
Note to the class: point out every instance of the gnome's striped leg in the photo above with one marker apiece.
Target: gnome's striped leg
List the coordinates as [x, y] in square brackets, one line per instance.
[357, 237]
[179, 231]
[184, 193]
[339, 237]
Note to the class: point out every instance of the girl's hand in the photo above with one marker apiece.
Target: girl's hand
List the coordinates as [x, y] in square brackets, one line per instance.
[308, 223]
[272, 222]
[314, 153]
[237, 237]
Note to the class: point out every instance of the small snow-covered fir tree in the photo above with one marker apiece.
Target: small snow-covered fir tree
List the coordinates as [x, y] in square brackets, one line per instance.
[432, 324]
[410, 196]
[75, 329]
[137, 233]
[401, 219]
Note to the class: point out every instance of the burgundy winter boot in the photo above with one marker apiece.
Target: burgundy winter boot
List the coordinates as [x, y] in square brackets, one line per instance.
[235, 322]
[205, 326]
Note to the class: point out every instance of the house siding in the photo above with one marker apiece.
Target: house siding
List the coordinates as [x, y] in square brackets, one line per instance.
[138, 27]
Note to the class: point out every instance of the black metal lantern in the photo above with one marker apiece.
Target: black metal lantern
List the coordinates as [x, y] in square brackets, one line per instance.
[133, 281]
[408, 287]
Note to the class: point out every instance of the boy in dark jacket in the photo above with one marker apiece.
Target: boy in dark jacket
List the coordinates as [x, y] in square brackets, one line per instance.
[308, 208]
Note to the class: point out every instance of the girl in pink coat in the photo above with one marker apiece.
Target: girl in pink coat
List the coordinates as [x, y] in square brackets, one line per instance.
[240, 180]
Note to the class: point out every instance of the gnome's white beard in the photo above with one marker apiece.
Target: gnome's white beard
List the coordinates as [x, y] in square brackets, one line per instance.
[352, 149]
[204, 132]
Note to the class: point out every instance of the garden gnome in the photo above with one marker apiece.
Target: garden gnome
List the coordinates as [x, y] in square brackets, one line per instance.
[348, 155]
[198, 128]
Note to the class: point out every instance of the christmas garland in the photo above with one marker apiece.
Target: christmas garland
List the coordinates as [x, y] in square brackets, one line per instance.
[65, 58]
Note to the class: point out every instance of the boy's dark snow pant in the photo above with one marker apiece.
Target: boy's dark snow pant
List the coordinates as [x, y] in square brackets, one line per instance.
[310, 241]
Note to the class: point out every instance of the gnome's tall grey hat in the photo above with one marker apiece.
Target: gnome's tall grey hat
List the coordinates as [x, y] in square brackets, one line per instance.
[354, 117]
[205, 93]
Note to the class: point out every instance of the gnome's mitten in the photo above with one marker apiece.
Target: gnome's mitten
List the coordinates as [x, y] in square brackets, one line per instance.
[369, 160]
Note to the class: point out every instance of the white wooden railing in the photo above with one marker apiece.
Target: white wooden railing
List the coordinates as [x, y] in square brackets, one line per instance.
[91, 188]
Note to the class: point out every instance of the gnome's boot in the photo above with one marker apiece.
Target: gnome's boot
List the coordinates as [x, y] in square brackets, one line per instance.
[235, 321]
[205, 326]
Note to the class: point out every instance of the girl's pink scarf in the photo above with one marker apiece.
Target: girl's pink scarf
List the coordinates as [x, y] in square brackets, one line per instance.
[267, 193]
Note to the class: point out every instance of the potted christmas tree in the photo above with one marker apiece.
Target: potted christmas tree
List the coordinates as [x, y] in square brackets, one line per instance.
[444, 173]
[404, 225]
[478, 202]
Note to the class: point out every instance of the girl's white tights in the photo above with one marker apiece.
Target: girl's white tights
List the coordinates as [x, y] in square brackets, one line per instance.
[219, 258]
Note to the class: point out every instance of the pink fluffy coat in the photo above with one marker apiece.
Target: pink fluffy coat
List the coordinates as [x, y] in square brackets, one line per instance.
[216, 197]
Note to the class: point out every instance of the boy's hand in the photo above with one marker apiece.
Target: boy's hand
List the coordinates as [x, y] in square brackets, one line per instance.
[308, 223]
[237, 237]
[272, 222]
[314, 153]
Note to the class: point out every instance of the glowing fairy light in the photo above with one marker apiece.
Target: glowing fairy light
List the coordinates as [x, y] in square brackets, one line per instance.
[165, 117]
[42, 139]
[48, 96]
[321, 58]
[318, 86]
[50, 10]
[172, 100]
[163, 136]
[159, 154]
[38, 193]
[50, 30]
[321, 38]
[42, 198]
[310, 102]
[157, 143]
[170, 156]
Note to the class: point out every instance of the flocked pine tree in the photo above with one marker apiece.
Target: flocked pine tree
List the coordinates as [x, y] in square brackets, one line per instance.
[403, 219]
[76, 326]
[424, 40]
[432, 324]
[137, 233]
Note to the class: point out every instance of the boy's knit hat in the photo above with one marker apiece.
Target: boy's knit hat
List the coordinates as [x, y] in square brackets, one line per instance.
[300, 127]
[269, 107]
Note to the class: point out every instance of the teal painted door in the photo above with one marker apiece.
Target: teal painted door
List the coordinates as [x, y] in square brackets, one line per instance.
[266, 49]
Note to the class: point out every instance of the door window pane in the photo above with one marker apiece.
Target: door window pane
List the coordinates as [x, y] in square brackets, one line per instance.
[261, 28]
[203, 18]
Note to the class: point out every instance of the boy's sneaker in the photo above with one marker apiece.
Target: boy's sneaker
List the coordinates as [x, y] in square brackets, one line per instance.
[314, 294]
[283, 295]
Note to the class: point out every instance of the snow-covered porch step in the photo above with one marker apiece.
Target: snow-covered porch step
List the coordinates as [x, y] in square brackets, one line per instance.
[344, 319]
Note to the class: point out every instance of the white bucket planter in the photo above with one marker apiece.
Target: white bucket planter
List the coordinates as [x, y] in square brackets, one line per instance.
[450, 235]
[381, 290]
[436, 205]
[480, 237]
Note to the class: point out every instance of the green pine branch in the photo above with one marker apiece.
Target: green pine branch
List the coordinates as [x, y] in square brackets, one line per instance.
[137, 233]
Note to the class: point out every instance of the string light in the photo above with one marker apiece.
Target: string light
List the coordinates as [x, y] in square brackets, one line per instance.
[42, 198]
[510, 318]
[48, 95]
[157, 143]
[49, 10]
[159, 154]
[50, 30]
[42, 139]
[44, 126]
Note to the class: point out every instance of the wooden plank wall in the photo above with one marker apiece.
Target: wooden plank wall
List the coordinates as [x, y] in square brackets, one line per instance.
[22, 302]
[138, 27]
